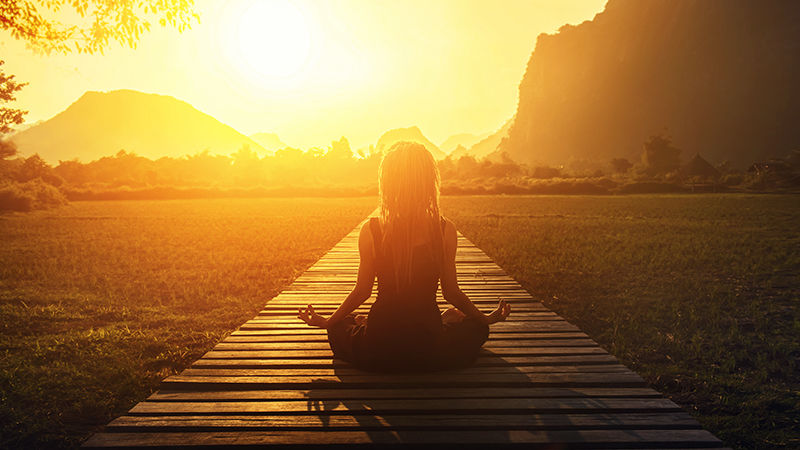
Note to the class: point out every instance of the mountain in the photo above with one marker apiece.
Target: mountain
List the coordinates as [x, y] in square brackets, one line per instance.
[459, 140]
[485, 146]
[20, 128]
[102, 123]
[718, 76]
[412, 134]
[269, 141]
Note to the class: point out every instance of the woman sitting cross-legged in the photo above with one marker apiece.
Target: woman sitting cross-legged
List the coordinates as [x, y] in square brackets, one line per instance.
[410, 248]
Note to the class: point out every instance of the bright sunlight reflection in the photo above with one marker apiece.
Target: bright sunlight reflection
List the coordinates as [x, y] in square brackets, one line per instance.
[273, 39]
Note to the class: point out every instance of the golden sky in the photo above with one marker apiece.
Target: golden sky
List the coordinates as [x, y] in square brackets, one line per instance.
[314, 70]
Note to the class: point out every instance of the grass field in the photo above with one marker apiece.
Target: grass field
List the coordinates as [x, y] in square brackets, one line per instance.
[698, 294]
[100, 300]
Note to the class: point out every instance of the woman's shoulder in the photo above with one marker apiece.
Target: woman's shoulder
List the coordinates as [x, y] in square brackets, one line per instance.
[371, 226]
[446, 222]
[448, 227]
[370, 223]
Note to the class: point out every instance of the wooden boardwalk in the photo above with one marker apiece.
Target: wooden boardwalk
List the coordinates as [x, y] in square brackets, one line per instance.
[539, 383]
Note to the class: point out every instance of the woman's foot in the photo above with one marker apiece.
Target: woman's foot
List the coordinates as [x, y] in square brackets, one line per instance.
[452, 315]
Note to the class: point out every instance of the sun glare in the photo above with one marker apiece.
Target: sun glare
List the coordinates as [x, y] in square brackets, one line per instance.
[272, 39]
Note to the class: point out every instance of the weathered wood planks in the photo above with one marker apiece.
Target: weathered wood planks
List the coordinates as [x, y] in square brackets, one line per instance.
[540, 382]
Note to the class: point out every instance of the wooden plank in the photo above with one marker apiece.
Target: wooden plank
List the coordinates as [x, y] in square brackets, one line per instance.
[521, 317]
[322, 337]
[545, 438]
[305, 354]
[500, 334]
[488, 361]
[498, 327]
[291, 320]
[372, 380]
[495, 343]
[344, 372]
[324, 294]
[291, 309]
[395, 393]
[412, 406]
[314, 421]
[323, 343]
[327, 298]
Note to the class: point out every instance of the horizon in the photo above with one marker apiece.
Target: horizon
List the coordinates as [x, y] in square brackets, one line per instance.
[348, 80]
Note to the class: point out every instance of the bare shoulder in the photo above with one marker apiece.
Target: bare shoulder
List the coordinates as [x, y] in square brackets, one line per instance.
[450, 236]
[366, 230]
[365, 236]
[449, 226]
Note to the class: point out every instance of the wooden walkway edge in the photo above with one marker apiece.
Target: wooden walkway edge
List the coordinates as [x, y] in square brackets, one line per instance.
[539, 383]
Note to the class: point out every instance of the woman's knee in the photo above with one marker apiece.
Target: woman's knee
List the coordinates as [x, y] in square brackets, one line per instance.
[478, 328]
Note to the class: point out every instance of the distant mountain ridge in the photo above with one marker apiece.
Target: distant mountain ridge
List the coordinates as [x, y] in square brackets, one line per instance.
[102, 123]
[719, 76]
[486, 147]
[412, 134]
[269, 141]
[455, 141]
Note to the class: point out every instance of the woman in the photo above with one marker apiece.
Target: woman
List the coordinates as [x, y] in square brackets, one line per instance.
[410, 248]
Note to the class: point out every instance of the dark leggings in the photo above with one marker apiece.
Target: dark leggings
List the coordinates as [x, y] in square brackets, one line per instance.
[458, 346]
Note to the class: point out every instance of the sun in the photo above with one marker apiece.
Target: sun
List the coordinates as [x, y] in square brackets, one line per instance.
[272, 39]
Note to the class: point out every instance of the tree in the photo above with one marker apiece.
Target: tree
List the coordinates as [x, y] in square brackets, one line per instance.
[7, 149]
[8, 116]
[621, 165]
[660, 156]
[34, 167]
[99, 22]
[340, 149]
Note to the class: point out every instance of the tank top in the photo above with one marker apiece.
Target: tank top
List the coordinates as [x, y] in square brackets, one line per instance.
[404, 325]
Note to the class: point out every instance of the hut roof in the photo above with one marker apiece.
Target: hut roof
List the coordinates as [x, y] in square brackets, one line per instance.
[699, 167]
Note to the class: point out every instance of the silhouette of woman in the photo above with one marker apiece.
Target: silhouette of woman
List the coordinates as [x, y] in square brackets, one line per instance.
[410, 248]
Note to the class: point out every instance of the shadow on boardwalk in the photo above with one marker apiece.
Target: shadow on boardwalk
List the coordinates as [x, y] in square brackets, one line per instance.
[402, 417]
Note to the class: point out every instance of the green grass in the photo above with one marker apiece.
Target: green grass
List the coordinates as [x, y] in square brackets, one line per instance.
[100, 301]
[698, 294]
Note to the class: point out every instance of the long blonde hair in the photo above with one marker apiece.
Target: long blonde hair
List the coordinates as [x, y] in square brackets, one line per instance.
[409, 204]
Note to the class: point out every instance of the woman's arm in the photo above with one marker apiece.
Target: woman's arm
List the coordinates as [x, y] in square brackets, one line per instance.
[360, 293]
[452, 292]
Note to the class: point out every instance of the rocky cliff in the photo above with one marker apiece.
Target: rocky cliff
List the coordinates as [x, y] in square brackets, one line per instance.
[719, 76]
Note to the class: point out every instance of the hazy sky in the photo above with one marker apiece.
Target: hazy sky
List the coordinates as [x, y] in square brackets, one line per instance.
[312, 70]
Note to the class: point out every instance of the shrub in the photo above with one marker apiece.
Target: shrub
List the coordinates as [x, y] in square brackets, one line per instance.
[545, 172]
[174, 193]
[12, 198]
[732, 179]
[567, 186]
[33, 194]
[651, 187]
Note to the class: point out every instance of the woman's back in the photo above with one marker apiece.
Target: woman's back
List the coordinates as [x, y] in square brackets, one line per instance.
[405, 321]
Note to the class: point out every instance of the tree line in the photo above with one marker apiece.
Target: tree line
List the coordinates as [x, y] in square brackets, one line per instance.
[31, 183]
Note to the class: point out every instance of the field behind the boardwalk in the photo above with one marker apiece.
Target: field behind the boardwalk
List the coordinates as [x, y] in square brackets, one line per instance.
[101, 300]
[698, 294]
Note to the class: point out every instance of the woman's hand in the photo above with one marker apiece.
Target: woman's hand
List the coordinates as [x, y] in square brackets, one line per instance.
[500, 314]
[310, 317]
